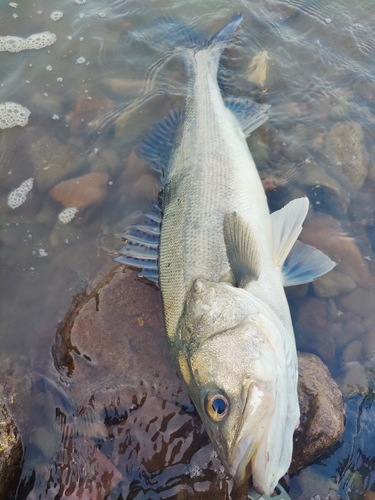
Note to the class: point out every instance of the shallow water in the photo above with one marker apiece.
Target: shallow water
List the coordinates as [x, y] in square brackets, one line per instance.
[91, 96]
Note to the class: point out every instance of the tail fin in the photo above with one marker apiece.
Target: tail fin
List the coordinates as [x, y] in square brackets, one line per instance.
[177, 34]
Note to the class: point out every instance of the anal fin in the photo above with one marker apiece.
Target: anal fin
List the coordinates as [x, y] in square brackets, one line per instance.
[242, 249]
[249, 114]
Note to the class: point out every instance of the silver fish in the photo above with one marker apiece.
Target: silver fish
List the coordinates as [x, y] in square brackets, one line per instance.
[222, 264]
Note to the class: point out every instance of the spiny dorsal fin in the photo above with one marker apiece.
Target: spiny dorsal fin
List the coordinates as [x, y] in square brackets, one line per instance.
[242, 250]
[249, 114]
[304, 264]
[286, 227]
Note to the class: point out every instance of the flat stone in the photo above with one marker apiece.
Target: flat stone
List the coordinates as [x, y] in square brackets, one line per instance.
[360, 302]
[11, 451]
[322, 411]
[333, 284]
[346, 149]
[81, 192]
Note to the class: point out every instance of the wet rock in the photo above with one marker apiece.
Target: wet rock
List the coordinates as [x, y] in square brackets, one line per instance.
[333, 284]
[53, 160]
[81, 192]
[312, 329]
[366, 90]
[122, 86]
[11, 452]
[322, 189]
[346, 149]
[322, 410]
[147, 187]
[360, 302]
[105, 160]
[325, 232]
[314, 486]
[369, 495]
[46, 104]
[354, 380]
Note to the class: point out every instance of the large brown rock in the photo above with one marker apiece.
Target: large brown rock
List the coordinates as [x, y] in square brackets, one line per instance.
[11, 452]
[322, 411]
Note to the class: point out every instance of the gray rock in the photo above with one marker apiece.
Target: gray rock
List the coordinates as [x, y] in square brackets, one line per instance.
[323, 189]
[346, 149]
[354, 380]
[322, 411]
[11, 452]
[333, 284]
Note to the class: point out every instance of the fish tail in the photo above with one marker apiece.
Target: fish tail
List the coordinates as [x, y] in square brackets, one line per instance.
[179, 35]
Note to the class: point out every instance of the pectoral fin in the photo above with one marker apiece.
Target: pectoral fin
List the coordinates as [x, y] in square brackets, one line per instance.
[242, 249]
[286, 227]
[304, 264]
[250, 114]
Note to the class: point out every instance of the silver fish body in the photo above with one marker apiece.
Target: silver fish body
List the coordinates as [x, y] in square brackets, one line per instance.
[222, 271]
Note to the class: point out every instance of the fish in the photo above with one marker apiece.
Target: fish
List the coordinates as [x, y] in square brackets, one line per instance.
[222, 260]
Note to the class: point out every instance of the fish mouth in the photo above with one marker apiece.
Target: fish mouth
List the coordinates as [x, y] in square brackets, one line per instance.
[257, 412]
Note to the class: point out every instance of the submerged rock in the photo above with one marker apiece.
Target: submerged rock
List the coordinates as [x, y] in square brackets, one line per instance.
[332, 284]
[345, 147]
[53, 160]
[81, 192]
[11, 452]
[322, 411]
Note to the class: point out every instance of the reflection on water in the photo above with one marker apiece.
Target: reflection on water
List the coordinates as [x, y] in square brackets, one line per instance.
[91, 94]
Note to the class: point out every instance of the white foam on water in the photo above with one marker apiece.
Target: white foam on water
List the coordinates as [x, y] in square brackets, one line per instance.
[56, 15]
[18, 196]
[67, 214]
[35, 41]
[12, 114]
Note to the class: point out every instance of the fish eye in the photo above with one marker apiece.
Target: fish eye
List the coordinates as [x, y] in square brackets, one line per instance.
[217, 405]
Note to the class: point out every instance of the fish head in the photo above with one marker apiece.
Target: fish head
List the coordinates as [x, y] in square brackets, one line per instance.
[236, 369]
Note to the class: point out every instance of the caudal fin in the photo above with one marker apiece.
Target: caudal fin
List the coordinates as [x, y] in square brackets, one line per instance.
[176, 34]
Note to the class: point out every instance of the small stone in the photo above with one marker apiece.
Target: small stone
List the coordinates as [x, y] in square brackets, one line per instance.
[315, 486]
[322, 410]
[147, 187]
[53, 160]
[346, 149]
[352, 352]
[333, 284]
[354, 380]
[369, 345]
[81, 192]
[360, 302]
[86, 110]
[325, 233]
[366, 90]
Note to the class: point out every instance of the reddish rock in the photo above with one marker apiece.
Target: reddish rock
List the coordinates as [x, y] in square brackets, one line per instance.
[325, 232]
[322, 411]
[81, 192]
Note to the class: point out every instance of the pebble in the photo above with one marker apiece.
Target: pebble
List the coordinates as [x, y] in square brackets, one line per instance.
[346, 149]
[360, 302]
[352, 352]
[354, 380]
[333, 284]
[81, 192]
[368, 345]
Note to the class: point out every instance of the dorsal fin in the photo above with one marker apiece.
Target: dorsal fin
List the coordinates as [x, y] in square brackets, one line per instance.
[142, 245]
[249, 114]
[158, 142]
[242, 249]
[286, 227]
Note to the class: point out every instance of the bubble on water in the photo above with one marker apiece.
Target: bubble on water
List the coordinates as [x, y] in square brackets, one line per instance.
[80, 2]
[81, 15]
[102, 14]
[69, 37]
[49, 68]
[14, 15]
[81, 60]
[56, 15]
[12, 114]
[59, 79]
[195, 471]
[67, 214]
[328, 20]
[81, 38]
[39, 12]
[55, 117]
[18, 196]
[13, 4]
[42, 252]
[36, 41]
